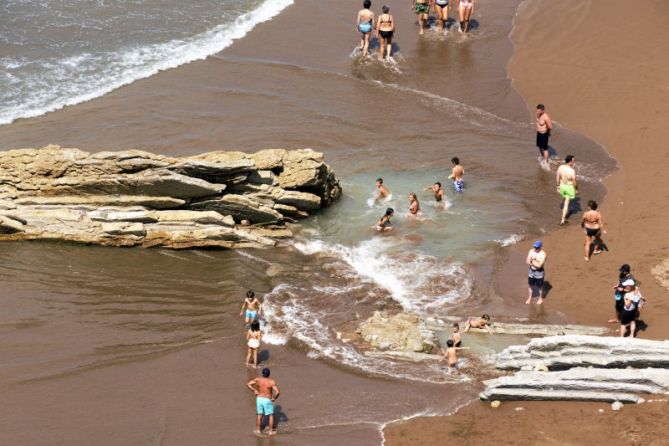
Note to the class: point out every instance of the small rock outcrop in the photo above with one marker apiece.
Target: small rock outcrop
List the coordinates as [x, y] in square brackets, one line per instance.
[399, 333]
[582, 368]
[137, 198]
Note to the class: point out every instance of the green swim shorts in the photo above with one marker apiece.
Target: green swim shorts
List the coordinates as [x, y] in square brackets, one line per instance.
[422, 8]
[568, 191]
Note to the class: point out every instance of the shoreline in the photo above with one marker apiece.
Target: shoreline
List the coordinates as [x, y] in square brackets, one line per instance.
[533, 21]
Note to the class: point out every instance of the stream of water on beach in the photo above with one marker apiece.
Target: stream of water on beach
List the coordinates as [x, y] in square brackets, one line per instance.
[71, 309]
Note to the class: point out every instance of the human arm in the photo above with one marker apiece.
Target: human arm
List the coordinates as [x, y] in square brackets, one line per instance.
[260, 310]
[547, 119]
[529, 258]
[357, 22]
[275, 391]
[250, 385]
[241, 313]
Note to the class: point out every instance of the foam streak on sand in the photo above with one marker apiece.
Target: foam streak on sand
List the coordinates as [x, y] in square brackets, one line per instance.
[91, 75]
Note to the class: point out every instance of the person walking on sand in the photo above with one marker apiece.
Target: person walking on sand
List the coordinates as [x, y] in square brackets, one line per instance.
[536, 258]
[414, 205]
[593, 226]
[422, 9]
[253, 337]
[457, 174]
[365, 24]
[384, 224]
[451, 356]
[441, 9]
[566, 185]
[385, 29]
[382, 192]
[544, 126]
[465, 9]
[626, 283]
[439, 195]
[252, 306]
[628, 317]
[266, 392]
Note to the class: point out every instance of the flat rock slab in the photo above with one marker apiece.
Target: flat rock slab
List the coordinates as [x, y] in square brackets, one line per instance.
[557, 395]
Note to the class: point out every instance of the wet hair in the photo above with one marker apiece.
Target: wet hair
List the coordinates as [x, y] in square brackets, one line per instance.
[486, 317]
[455, 160]
[450, 343]
[389, 212]
[568, 159]
[438, 183]
[379, 180]
[541, 107]
[255, 326]
[456, 325]
[366, 4]
[592, 204]
[385, 9]
[265, 372]
[250, 294]
[413, 195]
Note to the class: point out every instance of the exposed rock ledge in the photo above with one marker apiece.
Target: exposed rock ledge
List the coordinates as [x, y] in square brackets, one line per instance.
[137, 198]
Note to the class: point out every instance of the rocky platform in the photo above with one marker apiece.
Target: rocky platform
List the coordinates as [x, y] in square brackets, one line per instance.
[582, 368]
[137, 198]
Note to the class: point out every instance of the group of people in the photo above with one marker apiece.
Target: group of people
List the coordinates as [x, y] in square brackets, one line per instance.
[263, 387]
[454, 343]
[384, 25]
[383, 194]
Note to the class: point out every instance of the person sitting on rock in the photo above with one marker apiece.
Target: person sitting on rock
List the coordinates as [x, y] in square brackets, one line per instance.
[483, 322]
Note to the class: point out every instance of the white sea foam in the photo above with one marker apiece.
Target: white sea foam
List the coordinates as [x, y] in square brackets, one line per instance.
[511, 240]
[86, 76]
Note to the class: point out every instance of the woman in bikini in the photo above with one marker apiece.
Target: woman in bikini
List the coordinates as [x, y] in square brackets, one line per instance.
[465, 9]
[385, 29]
[365, 24]
[422, 8]
[414, 205]
[441, 9]
[384, 223]
[593, 226]
[253, 337]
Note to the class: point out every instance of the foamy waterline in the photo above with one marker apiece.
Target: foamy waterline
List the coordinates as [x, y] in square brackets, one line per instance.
[133, 64]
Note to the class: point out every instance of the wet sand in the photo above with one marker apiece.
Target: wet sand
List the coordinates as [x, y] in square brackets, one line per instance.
[614, 90]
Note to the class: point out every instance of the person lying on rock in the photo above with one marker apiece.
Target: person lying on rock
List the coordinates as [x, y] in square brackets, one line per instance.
[483, 322]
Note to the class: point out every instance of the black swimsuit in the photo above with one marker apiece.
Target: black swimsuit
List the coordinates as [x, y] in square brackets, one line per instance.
[385, 34]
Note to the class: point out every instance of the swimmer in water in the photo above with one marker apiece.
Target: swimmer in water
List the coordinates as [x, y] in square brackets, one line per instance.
[385, 29]
[252, 306]
[439, 195]
[457, 174]
[382, 192]
[384, 223]
[365, 24]
[465, 9]
[414, 205]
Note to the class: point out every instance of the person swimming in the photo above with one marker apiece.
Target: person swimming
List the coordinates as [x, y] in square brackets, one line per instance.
[382, 192]
[365, 25]
[414, 205]
[439, 195]
[384, 223]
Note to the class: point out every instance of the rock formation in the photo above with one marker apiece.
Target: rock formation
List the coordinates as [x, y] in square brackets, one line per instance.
[136, 198]
[586, 368]
[399, 333]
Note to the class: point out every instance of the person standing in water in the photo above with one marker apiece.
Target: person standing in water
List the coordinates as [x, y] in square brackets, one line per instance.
[365, 25]
[422, 9]
[252, 306]
[385, 29]
[266, 392]
[414, 205]
[253, 337]
[439, 195]
[465, 9]
[441, 9]
[384, 223]
[544, 126]
[457, 174]
[593, 226]
[382, 192]
[566, 185]
[536, 259]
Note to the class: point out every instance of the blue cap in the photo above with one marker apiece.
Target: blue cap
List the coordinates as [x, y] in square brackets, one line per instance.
[538, 244]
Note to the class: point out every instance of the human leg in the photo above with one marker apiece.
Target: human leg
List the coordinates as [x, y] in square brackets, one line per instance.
[248, 356]
[565, 210]
[588, 242]
[529, 295]
[468, 13]
[389, 46]
[258, 423]
[255, 357]
[272, 430]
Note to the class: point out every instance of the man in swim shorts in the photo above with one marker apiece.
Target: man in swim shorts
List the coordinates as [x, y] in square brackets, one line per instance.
[382, 192]
[566, 184]
[535, 277]
[457, 174]
[544, 126]
[422, 8]
[252, 306]
[266, 392]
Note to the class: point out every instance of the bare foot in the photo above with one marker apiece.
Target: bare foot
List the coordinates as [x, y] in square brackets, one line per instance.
[257, 433]
[527, 302]
[272, 432]
[586, 259]
[596, 252]
[540, 301]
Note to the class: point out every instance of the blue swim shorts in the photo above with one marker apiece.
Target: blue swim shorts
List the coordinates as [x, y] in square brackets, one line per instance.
[251, 314]
[264, 406]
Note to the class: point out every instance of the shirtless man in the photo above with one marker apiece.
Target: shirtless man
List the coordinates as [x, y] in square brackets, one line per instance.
[252, 306]
[266, 392]
[439, 195]
[544, 127]
[536, 258]
[566, 184]
[451, 356]
[422, 9]
[382, 192]
[457, 174]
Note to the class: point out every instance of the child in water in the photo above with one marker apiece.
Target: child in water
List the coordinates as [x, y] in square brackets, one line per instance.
[384, 223]
[483, 322]
[457, 341]
[252, 306]
[451, 356]
[253, 336]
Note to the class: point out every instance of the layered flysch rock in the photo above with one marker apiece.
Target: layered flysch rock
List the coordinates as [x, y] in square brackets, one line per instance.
[585, 368]
[137, 198]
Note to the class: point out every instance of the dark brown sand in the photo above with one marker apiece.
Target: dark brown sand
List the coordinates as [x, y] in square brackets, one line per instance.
[601, 69]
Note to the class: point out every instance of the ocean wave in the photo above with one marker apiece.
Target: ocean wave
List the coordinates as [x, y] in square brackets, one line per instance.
[80, 78]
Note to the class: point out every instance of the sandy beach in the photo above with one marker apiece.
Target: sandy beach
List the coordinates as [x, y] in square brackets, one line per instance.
[605, 87]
